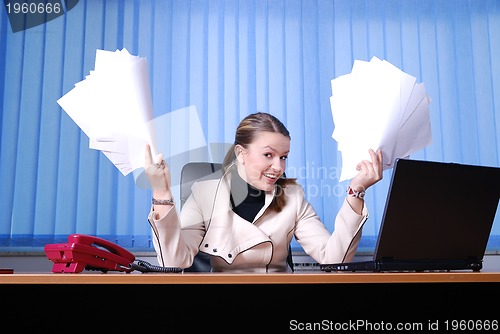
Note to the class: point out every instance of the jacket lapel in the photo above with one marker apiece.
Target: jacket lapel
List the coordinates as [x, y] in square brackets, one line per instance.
[227, 233]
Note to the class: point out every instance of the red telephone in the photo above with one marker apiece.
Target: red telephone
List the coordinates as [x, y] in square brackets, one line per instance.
[88, 252]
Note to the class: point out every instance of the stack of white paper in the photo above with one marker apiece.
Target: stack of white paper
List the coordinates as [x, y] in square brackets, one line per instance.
[113, 107]
[378, 106]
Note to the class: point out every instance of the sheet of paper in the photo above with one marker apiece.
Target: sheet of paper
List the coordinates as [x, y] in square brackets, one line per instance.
[378, 106]
[113, 107]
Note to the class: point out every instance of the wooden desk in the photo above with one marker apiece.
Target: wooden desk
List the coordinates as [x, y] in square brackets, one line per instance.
[219, 278]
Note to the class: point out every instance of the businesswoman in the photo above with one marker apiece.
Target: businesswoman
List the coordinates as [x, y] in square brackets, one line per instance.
[246, 219]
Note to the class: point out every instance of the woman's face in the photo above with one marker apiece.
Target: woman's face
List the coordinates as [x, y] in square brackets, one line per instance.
[264, 160]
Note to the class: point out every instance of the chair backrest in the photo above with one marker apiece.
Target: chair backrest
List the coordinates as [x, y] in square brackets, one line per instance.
[191, 172]
[198, 171]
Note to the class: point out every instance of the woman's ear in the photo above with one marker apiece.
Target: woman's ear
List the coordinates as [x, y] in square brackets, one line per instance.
[238, 152]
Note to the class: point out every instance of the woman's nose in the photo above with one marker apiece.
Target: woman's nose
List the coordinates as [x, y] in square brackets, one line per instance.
[278, 165]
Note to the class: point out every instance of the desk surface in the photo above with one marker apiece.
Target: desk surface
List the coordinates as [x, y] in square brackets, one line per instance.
[220, 278]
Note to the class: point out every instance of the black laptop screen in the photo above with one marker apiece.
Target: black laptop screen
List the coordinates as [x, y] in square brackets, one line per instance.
[438, 210]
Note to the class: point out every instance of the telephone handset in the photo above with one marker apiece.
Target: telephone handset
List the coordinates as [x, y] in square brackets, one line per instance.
[88, 252]
[94, 253]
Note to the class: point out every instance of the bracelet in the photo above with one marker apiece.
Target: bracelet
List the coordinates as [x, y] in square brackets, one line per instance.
[355, 193]
[162, 201]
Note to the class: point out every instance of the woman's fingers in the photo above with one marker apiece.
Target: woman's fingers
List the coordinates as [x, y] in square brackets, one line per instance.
[370, 172]
[148, 157]
[377, 161]
[157, 171]
[158, 162]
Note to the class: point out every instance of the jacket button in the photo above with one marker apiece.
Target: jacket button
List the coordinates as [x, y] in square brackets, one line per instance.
[206, 245]
[214, 250]
[229, 255]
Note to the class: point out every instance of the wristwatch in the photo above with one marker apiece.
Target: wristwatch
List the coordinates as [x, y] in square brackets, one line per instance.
[355, 193]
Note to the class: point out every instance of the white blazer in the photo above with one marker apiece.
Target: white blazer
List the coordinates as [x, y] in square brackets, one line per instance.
[208, 224]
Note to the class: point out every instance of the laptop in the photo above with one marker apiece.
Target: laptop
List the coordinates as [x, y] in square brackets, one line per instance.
[437, 217]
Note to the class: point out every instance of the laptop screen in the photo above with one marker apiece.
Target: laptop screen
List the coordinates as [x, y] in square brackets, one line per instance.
[436, 210]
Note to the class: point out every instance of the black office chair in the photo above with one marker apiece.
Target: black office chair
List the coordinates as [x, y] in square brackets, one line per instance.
[198, 171]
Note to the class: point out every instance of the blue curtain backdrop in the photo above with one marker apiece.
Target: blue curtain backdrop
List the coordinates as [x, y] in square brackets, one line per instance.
[228, 59]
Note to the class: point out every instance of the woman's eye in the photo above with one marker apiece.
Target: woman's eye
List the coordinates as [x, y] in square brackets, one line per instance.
[270, 155]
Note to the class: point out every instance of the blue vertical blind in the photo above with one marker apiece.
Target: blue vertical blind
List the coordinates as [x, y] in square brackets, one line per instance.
[229, 59]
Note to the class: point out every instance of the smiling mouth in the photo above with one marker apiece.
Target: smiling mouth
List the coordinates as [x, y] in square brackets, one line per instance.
[271, 176]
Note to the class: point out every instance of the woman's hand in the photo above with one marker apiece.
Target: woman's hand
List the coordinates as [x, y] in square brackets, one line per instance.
[370, 172]
[158, 175]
